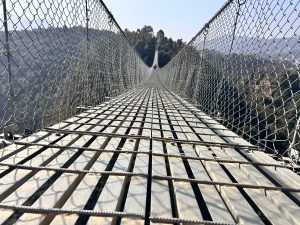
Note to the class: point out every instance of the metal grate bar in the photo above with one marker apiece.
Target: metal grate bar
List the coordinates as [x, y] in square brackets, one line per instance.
[153, 152]
[204, 143]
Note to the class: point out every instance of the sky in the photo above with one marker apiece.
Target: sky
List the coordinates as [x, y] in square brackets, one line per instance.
[179, 19]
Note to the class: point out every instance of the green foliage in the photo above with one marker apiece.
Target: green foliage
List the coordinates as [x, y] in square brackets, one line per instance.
[276, 102]
[145, 43]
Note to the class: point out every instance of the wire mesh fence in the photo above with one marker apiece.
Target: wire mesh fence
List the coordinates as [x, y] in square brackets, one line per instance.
[242, 68]
[57, 55]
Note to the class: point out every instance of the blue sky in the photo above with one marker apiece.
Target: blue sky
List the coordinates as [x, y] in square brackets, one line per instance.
[177, 18]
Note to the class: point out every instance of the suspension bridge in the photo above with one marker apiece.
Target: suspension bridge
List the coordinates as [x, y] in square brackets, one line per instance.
[91, 135]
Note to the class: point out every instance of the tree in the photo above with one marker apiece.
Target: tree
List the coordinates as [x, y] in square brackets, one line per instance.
[147, 29]
[160, 34]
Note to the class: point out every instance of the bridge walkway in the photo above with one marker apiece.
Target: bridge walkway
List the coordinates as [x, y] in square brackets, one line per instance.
[146, 156]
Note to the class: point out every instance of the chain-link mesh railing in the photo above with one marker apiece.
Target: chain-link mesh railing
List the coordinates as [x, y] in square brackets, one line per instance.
[57, 55]
[243, 68]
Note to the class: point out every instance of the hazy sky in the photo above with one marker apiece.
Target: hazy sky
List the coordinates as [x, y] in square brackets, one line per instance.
[177, 18]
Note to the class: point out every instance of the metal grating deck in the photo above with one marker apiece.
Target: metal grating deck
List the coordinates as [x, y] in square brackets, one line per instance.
[147, 156]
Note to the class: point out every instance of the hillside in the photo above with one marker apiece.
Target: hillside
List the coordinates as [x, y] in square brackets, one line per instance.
[50, 72]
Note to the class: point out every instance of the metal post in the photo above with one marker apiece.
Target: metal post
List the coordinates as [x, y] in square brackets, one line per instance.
[88, 90]
[110, 79]
[294, 154]
[87, 26]
[9, 127]
[120, 66]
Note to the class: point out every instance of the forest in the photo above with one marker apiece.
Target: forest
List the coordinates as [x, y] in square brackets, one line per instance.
[144, 41]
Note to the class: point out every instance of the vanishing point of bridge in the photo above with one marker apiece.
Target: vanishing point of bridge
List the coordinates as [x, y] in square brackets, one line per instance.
[91, 135]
